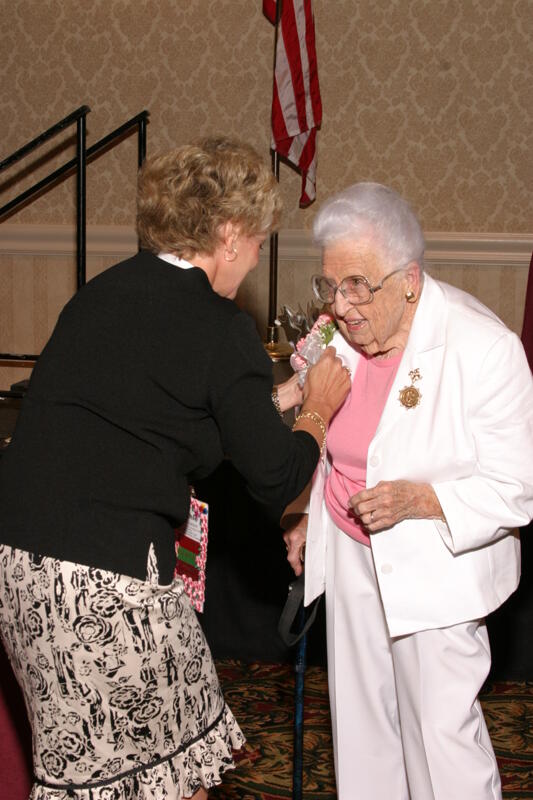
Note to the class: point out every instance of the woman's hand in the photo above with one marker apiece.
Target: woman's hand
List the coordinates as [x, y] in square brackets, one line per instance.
[294, 538]
[290, 393]
[390, 502]
[326, 385]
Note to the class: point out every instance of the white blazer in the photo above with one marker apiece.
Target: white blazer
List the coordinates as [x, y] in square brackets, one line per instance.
[471, 438]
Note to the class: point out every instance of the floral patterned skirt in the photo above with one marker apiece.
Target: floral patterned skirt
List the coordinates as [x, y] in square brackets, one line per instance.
[119, 683]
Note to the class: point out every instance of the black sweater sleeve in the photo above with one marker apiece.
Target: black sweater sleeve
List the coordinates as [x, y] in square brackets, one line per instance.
[276, 463]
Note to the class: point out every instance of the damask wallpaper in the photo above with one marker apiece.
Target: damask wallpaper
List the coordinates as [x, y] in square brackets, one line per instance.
[434, 97]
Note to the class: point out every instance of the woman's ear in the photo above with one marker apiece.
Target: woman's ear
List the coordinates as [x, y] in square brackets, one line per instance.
[229, 236]
[413, 274]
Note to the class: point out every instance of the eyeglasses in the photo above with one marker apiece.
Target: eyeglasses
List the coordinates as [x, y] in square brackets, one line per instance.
[355, 288]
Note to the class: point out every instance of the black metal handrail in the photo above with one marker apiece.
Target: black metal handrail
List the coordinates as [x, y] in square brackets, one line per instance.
[78, 117]
[43, 137]
[83, 156]
[91, 152]
[17, 357]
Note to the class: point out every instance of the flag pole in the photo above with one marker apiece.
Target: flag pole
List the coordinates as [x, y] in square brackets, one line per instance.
[527, 325]
[278, 351]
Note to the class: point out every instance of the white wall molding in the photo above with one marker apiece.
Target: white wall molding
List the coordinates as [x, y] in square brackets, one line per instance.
[443, 248]
[60, 240]
[479, 249]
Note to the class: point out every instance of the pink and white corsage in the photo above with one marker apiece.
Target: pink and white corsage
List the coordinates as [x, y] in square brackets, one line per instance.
[309, 348]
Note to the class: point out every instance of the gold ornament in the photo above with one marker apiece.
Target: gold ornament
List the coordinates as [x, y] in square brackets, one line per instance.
[410, 396]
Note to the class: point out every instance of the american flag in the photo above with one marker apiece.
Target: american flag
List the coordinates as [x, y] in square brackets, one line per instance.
[296, 103]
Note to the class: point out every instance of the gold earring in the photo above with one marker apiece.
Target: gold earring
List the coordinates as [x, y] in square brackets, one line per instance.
[410, 296]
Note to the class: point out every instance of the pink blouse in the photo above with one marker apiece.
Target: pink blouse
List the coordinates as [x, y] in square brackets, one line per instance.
[350, 433]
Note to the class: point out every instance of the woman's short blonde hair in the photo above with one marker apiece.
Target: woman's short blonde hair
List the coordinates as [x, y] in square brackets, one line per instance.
[186, 195]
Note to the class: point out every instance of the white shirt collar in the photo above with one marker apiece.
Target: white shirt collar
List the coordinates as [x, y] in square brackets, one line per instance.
[176, 260]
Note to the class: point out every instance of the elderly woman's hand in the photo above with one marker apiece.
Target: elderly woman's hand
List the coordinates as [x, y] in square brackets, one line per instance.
[289, 393]
[390, 502]
[294, 538]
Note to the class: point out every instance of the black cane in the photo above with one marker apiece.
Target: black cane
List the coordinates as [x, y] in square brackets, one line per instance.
[295, 614]
[299, 683]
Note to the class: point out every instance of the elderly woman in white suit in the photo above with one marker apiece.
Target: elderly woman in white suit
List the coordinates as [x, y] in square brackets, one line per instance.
[411, 524]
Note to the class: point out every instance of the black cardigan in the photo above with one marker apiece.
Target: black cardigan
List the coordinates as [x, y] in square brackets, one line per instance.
[149, 379]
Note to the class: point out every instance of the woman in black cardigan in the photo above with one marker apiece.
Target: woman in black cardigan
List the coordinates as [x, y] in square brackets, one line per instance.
[152, 375]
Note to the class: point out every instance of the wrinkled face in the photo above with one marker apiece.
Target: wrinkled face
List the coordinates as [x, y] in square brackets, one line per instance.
[377, 326]
[243, 258]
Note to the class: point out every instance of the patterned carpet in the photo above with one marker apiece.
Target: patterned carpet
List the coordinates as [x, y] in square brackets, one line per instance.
[261, 697]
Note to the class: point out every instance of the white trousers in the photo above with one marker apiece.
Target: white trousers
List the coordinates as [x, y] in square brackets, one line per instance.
[406, 721]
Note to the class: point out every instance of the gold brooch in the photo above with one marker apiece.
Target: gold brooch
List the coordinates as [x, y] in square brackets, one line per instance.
[409, 395]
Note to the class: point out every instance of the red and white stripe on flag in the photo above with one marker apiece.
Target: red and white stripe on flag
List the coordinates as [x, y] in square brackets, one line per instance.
[296, 102]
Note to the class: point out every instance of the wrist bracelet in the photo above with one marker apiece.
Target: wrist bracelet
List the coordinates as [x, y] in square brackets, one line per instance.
[275, 400]
[315, 417]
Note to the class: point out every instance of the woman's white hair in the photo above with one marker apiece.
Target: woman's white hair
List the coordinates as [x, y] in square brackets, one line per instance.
[371, 210]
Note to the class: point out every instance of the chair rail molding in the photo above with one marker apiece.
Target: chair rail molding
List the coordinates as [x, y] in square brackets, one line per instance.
[442, 248]
[60, 240]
